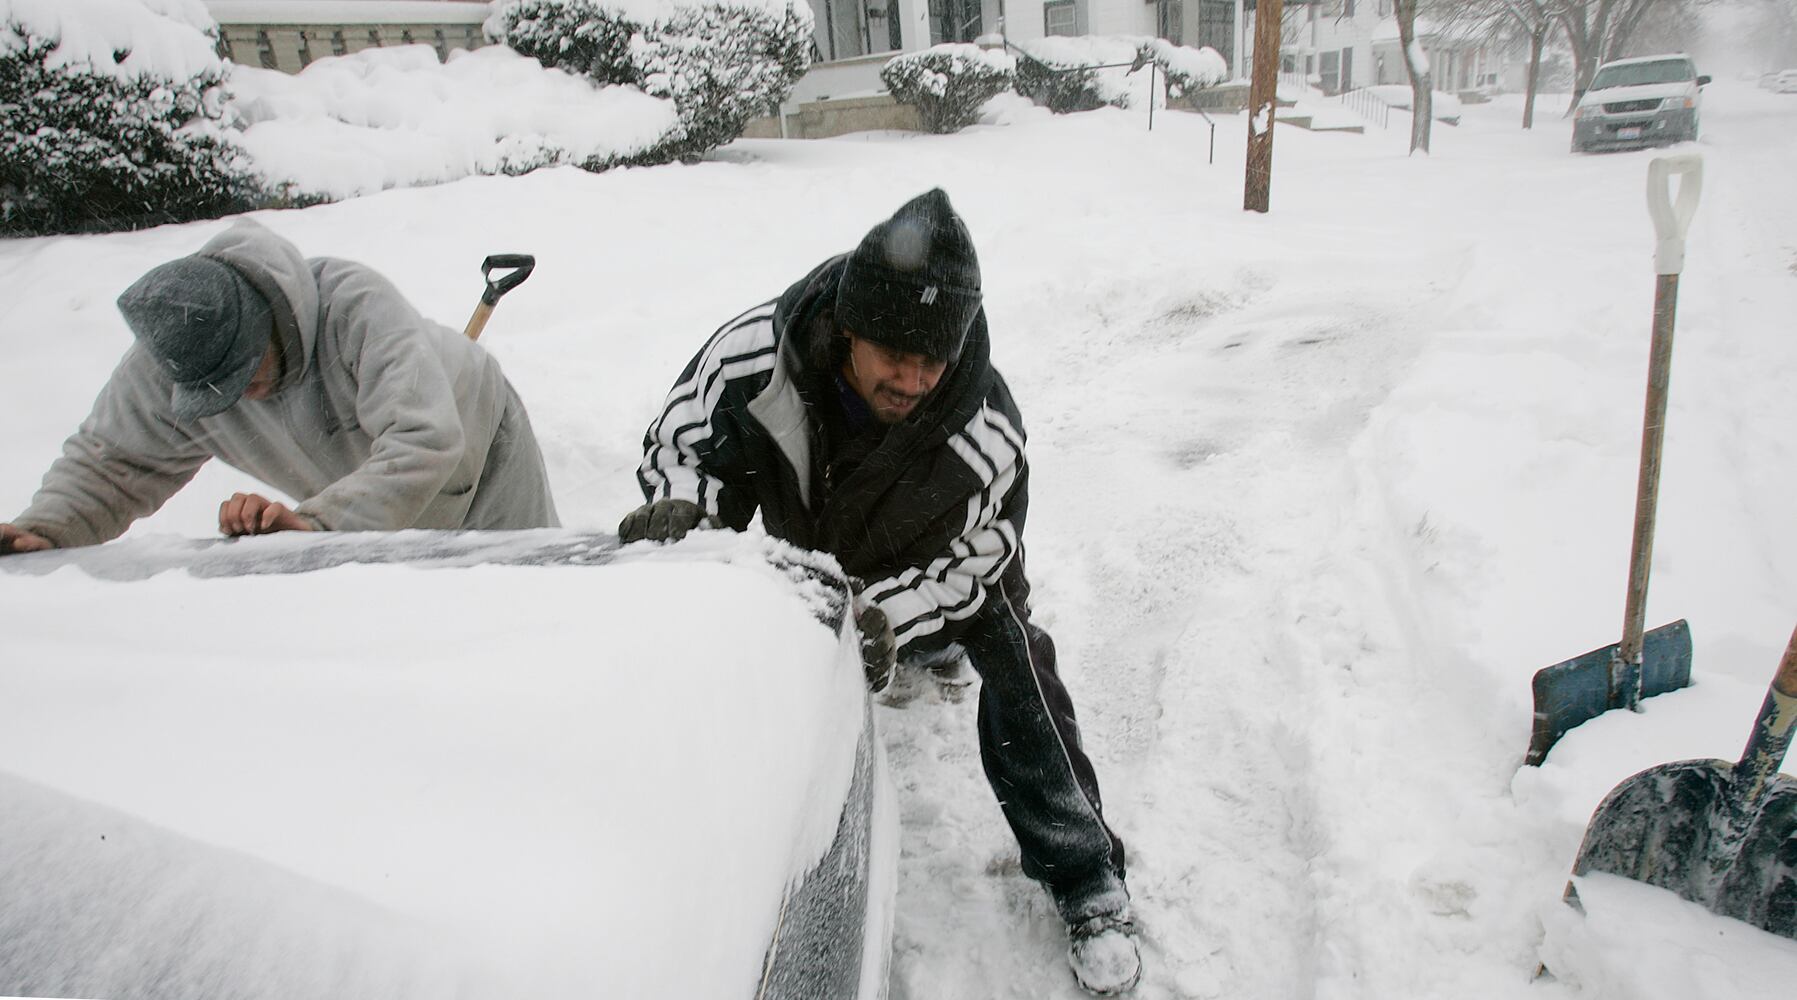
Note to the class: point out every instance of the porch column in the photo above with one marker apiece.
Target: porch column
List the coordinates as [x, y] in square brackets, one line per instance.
[914, 25]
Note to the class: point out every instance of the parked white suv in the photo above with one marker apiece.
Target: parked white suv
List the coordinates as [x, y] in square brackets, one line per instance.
[1647, 101]
[1785, 82]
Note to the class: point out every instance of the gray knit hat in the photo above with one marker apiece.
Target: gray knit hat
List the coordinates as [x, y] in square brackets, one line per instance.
[914, 282]
[205, 325]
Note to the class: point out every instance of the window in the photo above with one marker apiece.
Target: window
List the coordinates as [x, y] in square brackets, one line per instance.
[1347, 8]
[1059, 17]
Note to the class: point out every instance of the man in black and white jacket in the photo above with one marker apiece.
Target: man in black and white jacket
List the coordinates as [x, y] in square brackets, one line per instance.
[860, 413]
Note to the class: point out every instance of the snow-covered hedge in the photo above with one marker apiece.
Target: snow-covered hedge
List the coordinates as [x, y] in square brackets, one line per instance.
[397, 117]
[1062, 72]
[1187, 69]
[114, 117]
[722, 62]
[948, 84]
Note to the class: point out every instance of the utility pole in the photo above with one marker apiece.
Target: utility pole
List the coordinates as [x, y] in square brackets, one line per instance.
[1263, 94]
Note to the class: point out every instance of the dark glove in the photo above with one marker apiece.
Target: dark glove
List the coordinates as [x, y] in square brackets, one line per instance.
[879, 647]
[663, 521]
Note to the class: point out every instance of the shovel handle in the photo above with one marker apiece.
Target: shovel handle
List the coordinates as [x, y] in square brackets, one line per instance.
[1671, 221]
[517, 267]
[1771, 732]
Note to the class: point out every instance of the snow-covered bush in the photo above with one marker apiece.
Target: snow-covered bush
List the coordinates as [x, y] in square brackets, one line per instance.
[1187, 69]
[397, 117]
[1063, 73]
[114, 116]
[722, 62]
[948, 84]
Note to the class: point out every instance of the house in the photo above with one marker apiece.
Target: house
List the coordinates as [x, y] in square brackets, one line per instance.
[855, 37]
[288, 34]
[1339, 45]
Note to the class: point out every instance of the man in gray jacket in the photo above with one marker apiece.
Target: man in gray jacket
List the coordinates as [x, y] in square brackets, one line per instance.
[316, 377]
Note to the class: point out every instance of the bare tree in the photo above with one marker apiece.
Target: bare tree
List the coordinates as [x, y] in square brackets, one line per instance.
[1598, 31]
[1422, 86]
[1503, 22]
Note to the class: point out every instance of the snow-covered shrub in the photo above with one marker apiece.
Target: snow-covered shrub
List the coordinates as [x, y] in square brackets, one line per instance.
[397, 117]
[114, 116]
[1186, 69]
[1062, 72]
[948, 84]
[722, 62]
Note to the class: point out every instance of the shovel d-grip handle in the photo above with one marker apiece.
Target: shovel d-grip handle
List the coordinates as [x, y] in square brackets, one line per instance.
[1672, 220]
[517, 267]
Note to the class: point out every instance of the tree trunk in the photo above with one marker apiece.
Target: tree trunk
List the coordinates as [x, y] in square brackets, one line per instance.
[1537, 39]
[1263, 98]
[1422, 87]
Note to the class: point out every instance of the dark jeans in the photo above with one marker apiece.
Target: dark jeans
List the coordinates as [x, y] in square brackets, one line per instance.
[1029, 743]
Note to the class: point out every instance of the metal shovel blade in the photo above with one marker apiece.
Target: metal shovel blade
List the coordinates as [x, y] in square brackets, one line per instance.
[1719, 834]
[1675, 827]
[1582, 688]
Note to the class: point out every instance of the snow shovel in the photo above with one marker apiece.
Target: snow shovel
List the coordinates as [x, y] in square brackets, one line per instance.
[1719, 834]
[517, 267]
[1644, 664]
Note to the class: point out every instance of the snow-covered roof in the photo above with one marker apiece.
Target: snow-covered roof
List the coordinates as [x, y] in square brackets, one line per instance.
[347, 11]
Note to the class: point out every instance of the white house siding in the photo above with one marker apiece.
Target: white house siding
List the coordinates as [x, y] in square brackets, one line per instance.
[1370, 33]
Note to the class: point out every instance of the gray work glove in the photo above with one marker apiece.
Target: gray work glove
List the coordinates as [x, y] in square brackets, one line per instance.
[879, 647]
[663, 521]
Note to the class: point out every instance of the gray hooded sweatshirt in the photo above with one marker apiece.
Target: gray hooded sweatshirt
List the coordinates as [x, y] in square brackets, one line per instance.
[381, 420]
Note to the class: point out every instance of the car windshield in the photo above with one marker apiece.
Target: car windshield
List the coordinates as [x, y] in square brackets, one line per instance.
[1636, 74]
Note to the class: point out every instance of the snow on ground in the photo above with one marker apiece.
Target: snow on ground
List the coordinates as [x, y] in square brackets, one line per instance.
[1315, 494]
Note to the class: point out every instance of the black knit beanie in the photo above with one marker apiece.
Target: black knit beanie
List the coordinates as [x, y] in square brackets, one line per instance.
[914, 282]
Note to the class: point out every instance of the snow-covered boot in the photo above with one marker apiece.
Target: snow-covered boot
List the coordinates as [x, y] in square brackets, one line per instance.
[1104, 955]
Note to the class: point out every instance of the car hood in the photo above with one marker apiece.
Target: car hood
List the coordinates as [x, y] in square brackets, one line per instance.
[1643, 92]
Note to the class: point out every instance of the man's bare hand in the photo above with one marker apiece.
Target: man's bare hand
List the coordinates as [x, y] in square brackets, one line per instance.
[19, 540]
[253, 514]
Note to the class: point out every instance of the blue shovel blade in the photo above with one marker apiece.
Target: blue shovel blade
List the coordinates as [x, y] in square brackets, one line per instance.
[1578, 690]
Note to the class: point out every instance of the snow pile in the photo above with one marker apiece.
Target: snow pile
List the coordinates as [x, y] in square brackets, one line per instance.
[115, 116]
[722, 62]
[948, 84]
[396, 117]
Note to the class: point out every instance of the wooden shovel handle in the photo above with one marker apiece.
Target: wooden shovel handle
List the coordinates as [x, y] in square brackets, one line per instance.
[1771, 736]
[1786, 681]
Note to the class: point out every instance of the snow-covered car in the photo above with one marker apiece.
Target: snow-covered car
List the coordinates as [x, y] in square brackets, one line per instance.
[327, 766]
[1785, 82]
[1645, 101]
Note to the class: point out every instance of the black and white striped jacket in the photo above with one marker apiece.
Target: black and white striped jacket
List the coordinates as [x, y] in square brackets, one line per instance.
[929, 520]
